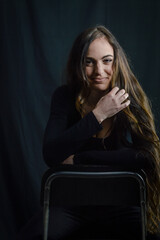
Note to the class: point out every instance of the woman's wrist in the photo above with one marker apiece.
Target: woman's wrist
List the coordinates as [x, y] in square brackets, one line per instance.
[98, 116]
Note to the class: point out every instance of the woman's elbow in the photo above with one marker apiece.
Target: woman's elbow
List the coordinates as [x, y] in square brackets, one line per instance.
[51, 155]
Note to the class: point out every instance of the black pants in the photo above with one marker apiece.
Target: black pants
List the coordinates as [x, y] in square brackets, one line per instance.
[67, 223]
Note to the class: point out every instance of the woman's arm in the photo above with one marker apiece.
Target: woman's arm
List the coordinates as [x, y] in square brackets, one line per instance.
[125, 157]
[60, 139]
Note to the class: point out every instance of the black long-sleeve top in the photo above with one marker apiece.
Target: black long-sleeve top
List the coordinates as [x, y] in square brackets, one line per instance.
[68, 134]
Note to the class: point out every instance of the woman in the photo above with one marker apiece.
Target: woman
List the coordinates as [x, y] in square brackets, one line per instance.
[102, 117]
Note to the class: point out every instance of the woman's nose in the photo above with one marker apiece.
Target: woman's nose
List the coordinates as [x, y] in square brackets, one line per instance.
[99, 69]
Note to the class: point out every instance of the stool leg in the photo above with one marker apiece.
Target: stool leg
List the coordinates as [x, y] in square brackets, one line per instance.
[46, 221]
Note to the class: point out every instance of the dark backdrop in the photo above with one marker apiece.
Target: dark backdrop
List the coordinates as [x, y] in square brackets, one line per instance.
[35, 39]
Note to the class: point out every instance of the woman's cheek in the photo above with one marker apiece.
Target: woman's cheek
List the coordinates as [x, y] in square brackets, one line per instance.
[89, 71]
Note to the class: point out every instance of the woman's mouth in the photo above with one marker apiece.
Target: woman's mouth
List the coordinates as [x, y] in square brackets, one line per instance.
[99, 80]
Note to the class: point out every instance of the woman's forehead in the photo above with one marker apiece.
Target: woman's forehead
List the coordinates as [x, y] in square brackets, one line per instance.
[99, 47]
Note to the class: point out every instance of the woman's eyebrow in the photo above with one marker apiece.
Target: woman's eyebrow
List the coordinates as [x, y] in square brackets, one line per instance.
[109, 55]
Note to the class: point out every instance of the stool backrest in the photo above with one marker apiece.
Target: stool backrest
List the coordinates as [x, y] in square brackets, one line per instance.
[90, 187]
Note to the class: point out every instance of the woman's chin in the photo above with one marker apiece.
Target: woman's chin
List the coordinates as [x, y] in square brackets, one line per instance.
[101, 88]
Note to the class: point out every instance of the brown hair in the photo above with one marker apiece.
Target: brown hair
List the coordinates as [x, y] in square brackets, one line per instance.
[137, 117]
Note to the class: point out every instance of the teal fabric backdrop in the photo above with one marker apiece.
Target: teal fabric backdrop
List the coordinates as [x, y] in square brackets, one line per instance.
[35, 39]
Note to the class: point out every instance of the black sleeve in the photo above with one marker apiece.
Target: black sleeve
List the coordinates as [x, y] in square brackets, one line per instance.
[60, 140]
[126, 158]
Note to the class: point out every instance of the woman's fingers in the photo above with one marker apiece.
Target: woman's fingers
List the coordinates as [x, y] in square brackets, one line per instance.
[120, 98]
[120, 93]
[68, 160]
[126, 104]
[124, 97]
[111, 104]
[114, 91]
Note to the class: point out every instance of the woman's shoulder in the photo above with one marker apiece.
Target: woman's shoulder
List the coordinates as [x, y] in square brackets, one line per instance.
[63, 91]
[63, 96]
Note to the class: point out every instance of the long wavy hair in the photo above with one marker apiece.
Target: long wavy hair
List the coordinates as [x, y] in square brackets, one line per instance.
[137, 117]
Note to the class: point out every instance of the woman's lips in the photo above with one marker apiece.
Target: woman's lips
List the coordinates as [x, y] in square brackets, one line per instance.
[99, 80]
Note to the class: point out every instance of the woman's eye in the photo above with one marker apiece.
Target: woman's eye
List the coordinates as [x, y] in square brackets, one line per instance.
[107, 60]
[89, 62]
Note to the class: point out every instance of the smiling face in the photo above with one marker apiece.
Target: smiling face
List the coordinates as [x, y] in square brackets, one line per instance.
[99, 64]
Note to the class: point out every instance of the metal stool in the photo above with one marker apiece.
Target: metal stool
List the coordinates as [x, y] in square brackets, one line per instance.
[119, 178]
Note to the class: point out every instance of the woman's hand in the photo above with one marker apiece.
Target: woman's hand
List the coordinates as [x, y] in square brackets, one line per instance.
[110, 104]
[68, 160]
